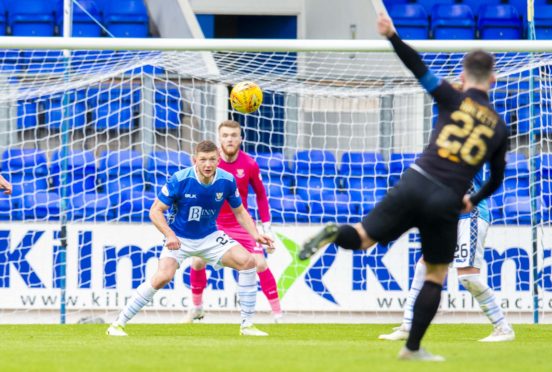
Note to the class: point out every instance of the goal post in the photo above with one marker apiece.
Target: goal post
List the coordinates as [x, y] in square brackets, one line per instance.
[340, 122]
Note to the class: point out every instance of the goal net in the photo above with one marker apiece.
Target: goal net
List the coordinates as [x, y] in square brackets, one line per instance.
[89, 137]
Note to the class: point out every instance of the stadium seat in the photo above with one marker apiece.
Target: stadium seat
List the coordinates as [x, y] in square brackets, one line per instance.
[362, 163]
[410, 20]
[163, 164]
[91, 206]
[41, 205]
[83, 23]
[113, 108]
[398, 163]
[274, 168]
[2, 19]
[9, 210]
[27, 114]
[475, 5]
[499, 22]
[495, 209]
[430, 4]
[31, 17]
[74, 111]
[334, 207]
[517, 210]
[516, 175]
[288, 209]
[26, 169]
[167, 109]
[543, 22]
[452, 22]
[315, 172]
[81, 171]
[126, 18]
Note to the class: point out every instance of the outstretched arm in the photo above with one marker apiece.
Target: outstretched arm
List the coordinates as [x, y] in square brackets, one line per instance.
[440, 89]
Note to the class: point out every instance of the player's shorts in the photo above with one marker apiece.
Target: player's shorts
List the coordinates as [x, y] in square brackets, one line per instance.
[418, 201]
[240, 235]
[210, 248]
[472, 232]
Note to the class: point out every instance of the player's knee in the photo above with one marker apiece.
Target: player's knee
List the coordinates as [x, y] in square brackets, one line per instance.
[164, 277]
[198, 264]
[248, 263]
[261, 265]
[348, 237]
[472, 283]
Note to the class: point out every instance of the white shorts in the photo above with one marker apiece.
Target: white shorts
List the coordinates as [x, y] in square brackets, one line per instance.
[210, 248]
[471, 243]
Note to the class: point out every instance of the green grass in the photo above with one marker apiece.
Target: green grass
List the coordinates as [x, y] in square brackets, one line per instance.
[290, 347]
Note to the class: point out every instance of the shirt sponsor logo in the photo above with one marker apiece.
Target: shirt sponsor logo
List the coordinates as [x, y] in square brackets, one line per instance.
[190, 196]
[240, 173]
[195, 213]
[218, 196]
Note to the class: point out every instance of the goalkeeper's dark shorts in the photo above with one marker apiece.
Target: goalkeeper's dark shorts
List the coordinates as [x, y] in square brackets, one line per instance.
[418, 201]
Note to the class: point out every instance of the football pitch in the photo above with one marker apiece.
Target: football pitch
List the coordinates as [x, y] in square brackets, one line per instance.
[290, 347]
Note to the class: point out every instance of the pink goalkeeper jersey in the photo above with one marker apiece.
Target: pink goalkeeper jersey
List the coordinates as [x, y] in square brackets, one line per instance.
[246, 171]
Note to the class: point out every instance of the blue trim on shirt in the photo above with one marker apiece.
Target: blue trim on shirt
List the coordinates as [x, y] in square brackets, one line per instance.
[429, 81]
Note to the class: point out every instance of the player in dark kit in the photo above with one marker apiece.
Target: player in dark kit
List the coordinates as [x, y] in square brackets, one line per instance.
[431, 194]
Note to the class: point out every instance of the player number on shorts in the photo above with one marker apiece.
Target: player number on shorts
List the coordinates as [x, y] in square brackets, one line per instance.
[473, 149]
[222, 240]
[461, 251]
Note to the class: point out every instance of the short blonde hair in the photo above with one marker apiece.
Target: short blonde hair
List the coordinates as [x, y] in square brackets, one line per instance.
[229, 124]
[205, 146]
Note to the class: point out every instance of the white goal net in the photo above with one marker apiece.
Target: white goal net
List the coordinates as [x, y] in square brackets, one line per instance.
[90, 137]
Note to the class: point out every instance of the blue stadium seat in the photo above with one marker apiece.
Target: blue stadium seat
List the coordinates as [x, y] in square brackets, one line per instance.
[26, 169]
[362, 163]
[452, 22]
[274, 168]
[475, 5]
[516, 175]
[411, 21]
[2, 19]
[334, 207]
[398, 163]
[543, 22]
[91, 206]
[8, 208]
[74, 111]
[430, 4]
[521, 6]
[495, 209]
[83, 24]
[113, 109]
[167, 109]
[31, 17]
[126, 18]
[42, 61]
[517, 210]
[315, 162]
[499, 22]
[316, 173]
[9, 60]
[81, 171]
[27, 114]
[41, 205]
[161, 165]
[288, 208]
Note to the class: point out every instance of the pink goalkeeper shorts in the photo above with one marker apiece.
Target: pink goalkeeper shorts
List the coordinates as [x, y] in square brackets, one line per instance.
[239, 234]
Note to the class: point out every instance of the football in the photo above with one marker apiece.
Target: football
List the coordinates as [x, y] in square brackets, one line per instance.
[246, 97]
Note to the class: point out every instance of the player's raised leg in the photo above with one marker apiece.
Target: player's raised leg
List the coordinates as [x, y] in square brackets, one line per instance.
[198, 282]
[144, 294]
[239, 259]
